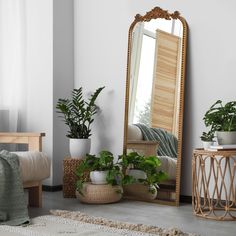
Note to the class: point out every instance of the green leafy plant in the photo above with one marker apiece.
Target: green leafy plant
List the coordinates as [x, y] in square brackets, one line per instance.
[147, 164]
[103, 162]
[116, 176]
[221, 117]
[78, 113]
[207, 136]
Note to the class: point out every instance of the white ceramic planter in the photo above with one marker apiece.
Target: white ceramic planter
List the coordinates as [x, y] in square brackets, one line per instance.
[137, 174]
[79, 147]
[207, 144]
[226, 137]
[98, 177]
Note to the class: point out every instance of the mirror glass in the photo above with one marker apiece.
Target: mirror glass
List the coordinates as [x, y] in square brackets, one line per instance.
[154, 99]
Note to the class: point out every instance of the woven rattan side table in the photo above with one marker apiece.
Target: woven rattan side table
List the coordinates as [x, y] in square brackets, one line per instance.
[214, 184]
[69, 177]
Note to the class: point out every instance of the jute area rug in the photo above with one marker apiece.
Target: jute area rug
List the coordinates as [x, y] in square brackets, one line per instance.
[66, 223]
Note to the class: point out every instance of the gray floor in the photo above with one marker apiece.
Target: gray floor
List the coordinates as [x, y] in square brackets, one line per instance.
[140, 212]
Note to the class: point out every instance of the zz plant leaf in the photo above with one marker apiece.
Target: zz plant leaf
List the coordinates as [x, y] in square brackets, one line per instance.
[78, 113]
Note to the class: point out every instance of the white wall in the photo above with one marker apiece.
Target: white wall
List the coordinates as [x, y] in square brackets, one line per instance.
[50, 74]
[101, 31]
[63, 77]
[39, 64]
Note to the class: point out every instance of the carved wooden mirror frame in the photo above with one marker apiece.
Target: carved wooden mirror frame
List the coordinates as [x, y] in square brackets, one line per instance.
[156, 13]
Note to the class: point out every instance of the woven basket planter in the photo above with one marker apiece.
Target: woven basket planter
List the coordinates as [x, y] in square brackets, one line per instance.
[100, 194]
[141, 191]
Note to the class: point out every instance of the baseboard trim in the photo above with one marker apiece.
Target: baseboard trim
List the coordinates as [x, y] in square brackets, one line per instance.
[48, 188]
[185, 199]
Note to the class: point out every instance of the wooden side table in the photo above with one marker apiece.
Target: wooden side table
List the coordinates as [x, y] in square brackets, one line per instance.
[214, 184]
[146, 148]
[69, 177]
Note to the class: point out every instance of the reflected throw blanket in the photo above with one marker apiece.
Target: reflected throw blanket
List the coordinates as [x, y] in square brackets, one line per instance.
[168, 142]
[13, 207]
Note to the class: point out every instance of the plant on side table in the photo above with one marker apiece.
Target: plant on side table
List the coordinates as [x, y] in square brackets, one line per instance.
[144, 170]
[222, 120]
[78, 116]
[207, 139]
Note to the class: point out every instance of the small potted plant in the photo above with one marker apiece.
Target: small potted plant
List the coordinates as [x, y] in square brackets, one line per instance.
[78, 115]
[102, 171]
[207, 139]
[222, 119]
[144, 170]
[97, 166]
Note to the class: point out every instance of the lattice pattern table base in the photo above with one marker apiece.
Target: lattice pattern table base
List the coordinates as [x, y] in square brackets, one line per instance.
[214, 184]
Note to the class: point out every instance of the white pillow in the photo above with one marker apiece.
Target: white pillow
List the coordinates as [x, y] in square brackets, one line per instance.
[34, 166]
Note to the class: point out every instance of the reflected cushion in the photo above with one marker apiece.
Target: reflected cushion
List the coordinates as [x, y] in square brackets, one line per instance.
[134, 133]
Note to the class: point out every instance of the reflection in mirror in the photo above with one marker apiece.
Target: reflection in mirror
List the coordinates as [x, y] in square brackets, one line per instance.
[154, 96]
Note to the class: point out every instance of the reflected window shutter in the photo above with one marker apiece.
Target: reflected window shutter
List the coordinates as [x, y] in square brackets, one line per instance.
[166, 82]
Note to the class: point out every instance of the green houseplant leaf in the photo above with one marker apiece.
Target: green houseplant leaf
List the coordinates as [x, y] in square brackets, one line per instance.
[221, 117]
[103, 162]
[207, 136]
[78, 113]
[148, 164]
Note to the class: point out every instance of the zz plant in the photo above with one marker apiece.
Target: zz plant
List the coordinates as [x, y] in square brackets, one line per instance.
[207, 136]
[78, 113]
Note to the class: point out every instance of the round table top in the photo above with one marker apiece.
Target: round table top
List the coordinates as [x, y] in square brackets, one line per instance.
[216, 152]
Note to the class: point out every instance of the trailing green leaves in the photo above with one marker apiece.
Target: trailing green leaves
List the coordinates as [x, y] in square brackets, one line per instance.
[117, 170]
[78, 113]
[147, 164]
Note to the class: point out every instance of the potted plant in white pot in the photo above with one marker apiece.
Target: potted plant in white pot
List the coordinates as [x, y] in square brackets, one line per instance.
[78, 115]
[102, 171]
[207, 139]
[222, 119]
[145, 174]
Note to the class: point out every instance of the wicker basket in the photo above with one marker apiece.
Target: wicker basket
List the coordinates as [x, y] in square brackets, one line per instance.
[141, 191]
[100, 194]
[69, 178]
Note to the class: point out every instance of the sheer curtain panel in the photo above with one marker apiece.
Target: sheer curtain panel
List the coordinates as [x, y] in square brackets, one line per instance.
[13, 84]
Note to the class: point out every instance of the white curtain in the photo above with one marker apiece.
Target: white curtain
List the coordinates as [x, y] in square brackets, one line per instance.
[12, 63]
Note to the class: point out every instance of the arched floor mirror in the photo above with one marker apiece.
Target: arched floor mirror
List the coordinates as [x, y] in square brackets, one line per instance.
[154, 102]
